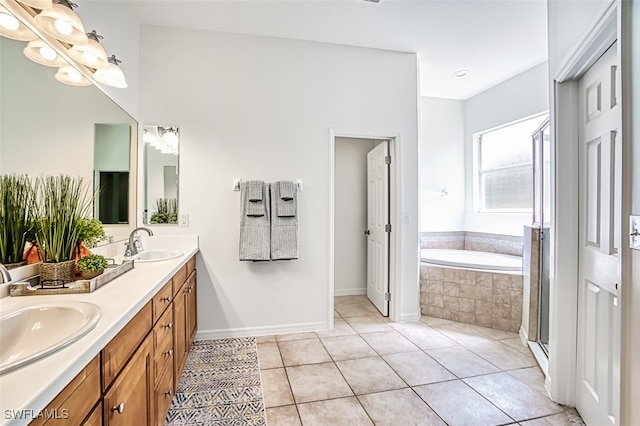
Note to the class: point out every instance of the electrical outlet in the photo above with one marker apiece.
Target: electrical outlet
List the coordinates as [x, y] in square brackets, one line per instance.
[184, 219]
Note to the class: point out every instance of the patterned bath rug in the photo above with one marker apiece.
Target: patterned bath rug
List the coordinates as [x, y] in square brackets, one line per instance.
[220, 385]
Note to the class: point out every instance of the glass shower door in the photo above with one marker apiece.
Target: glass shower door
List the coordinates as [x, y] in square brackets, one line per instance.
[541, 218]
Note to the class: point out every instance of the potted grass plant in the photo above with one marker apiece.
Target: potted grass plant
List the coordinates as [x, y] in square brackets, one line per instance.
[91, 266]
[16, 223]
[61, 201]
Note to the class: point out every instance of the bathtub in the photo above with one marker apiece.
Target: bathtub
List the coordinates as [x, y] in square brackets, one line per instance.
[472, 259]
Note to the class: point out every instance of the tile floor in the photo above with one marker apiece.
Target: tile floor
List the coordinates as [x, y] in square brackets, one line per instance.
[368, 370]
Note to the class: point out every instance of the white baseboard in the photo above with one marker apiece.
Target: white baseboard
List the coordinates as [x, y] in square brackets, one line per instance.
[413, 317]
[540, 357]
[260, 331]
[349, 291]
[523, 337]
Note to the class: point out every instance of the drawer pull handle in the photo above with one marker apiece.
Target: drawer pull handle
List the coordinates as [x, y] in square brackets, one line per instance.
[165, 299]
[170, 325]
[168, 393]
[169, 352]
[119, 408]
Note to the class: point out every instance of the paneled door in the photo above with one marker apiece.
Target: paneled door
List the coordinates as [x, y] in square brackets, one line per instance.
[378, 227]
[598, 357]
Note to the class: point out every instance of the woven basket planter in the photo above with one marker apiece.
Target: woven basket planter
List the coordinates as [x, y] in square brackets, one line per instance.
[57, 274]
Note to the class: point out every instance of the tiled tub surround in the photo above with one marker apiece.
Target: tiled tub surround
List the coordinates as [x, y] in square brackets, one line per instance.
[488, 299]
[477, 241]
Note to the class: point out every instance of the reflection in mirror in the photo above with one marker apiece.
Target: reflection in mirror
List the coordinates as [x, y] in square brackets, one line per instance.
[161, 152]
[111, 160]
[49, 128]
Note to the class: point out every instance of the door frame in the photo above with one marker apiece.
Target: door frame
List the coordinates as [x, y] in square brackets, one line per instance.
[561, 376]
[395, 239]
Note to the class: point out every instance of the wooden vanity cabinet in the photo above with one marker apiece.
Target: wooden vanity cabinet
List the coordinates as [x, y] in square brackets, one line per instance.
[134, 378]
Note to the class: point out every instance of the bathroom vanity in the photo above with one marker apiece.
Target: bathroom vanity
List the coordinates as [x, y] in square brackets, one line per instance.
[125, 371]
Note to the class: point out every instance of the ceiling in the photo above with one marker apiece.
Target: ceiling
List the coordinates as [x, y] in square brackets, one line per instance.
[494, 40]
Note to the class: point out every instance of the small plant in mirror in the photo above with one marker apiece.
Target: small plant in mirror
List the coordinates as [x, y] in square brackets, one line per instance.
[166, 211]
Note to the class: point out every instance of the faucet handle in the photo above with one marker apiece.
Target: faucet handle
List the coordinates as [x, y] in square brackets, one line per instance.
[127, 250]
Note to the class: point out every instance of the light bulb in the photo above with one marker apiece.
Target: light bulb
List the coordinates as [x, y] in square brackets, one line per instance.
[48, 53]
[75, 76]
[63, 26]
[9, 22]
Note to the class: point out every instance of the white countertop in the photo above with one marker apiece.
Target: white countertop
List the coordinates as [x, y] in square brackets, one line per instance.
[26, 391]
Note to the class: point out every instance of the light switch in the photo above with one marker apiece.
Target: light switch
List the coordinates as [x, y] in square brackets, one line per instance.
[634, 232]
[184, 219]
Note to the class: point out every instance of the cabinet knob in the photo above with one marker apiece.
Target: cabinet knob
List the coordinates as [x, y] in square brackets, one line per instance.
[168, 393]
[190, 289]
[170, 325]
[119, 408]
[165, 299]
[169, 352]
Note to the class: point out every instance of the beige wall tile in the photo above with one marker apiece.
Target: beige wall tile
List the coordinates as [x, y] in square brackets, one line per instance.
[451, 275]
[435, 273]
[466, 305]
[484, 320]
[436, 300]
[435, 287]
[484, 293]
[468, 291]
[451, 303]
[451, 289]
[435, 311]
[484, 279]
[484, 308]
[450, 314]
[466, 317]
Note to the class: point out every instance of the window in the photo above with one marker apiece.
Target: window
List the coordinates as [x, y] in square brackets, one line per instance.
[504, 164]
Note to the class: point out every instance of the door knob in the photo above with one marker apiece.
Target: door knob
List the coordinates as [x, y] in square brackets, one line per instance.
[367, 232]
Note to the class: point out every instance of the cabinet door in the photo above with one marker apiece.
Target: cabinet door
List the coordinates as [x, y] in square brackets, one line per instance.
[192, 312]
[129, 400]
[95, 418]
[180, 337]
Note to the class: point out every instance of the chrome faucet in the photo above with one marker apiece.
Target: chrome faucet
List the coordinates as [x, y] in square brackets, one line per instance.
[134, 246]
[6, 276]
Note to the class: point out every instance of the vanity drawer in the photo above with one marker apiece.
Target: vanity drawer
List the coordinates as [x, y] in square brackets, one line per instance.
[120, 348]
[95, 418]
[163, 396]
[163, 342]
[162, 299]
[191, 265]
[72, 405]
[178, 279]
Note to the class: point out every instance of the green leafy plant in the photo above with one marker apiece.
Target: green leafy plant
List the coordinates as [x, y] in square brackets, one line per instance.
[92, 263]
[90, 231]
[166, 211]
[61, 201]
[17, 225]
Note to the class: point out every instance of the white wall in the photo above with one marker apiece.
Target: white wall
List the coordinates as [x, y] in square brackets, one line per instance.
[262, 108]
[521, 96]
[118, 24]
[350, 256]
[568, 22]
[442, 164]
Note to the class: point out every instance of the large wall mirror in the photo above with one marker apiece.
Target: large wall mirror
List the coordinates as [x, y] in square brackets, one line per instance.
[49, 128]
[161, 155]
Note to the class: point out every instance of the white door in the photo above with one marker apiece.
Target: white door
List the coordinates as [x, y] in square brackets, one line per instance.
[378, 227]
[598, 357]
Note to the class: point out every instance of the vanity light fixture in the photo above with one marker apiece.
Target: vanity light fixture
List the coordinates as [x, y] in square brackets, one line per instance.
[112, 75]
[40, 52]
[11, 27]
[71, 76]
[61, 22]
[90, 54]
[37, 4]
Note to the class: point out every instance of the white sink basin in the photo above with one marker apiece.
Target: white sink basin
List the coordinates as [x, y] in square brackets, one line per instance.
[34, 332]
[156, 255]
